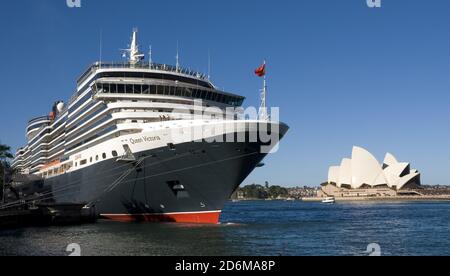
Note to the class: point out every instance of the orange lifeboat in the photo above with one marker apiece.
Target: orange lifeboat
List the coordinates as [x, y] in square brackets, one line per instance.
[51, 164]
[52, 116]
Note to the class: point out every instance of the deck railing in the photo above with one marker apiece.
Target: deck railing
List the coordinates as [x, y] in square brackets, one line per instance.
[38, 119]
[142, 65]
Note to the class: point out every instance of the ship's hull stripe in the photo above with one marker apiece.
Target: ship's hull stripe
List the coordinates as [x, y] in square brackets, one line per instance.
[212, 217]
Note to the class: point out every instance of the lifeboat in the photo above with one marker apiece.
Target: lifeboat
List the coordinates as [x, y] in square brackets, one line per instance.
[51, 164]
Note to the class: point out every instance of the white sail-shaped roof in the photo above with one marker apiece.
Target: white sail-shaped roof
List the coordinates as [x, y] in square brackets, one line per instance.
[390, 159]
[405, 180]
[364, 169]
[380, 180]
[333, 174]
[394, 171]
[345, 173]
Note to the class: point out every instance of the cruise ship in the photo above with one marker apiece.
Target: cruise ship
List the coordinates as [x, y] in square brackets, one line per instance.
[130, 145]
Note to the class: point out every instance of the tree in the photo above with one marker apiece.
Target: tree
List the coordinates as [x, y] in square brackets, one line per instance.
[5, 155]
[277, 191]
[254, 192]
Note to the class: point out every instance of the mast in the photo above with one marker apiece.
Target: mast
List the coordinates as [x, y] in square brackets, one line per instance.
[209, 65]
[134, 55]
[263, 112]
[178, 59]
[101, 48]
[150, 58]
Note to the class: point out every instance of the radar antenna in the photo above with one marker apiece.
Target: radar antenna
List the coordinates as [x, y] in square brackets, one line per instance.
[134, 56]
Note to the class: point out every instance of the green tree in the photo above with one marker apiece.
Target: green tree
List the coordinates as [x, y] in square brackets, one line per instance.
[254, 192]
[277, 191]
[5, 155]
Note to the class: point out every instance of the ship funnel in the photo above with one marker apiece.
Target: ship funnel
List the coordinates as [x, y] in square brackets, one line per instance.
[58, 107]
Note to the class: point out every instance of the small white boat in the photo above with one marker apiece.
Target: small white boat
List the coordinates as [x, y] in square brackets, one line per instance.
[329, 200]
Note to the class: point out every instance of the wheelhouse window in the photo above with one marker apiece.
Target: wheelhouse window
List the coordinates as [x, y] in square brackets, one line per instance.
[120, 88]
[113, 88]
[129, 88]
[146, 89]
[170, 90]
[137, 89]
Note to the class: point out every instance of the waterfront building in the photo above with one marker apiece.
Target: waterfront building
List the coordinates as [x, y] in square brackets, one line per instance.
[362, 175]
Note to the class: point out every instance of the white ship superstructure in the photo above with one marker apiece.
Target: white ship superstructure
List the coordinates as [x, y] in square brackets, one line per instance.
[114, 99]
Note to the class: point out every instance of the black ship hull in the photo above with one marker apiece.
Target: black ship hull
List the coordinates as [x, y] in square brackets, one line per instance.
[187, 183]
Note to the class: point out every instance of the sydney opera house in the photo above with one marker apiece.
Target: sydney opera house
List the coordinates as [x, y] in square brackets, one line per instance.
[363, 175]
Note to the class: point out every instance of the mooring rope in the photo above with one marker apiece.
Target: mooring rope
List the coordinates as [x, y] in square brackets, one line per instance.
[120, 180]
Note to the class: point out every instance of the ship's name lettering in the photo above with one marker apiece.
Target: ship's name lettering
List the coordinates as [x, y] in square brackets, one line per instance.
[145, 139]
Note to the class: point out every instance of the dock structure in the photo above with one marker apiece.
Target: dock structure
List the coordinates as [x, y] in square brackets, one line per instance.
[47, 215]
[21, 205]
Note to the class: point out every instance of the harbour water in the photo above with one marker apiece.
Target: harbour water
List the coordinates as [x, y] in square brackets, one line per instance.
[254, 228]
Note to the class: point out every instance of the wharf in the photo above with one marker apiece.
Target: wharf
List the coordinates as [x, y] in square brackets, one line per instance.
[47, 215]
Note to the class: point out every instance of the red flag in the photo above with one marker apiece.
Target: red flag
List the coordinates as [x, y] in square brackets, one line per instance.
[261, 71]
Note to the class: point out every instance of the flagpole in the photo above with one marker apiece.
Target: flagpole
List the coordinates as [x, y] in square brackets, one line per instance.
[263, 112]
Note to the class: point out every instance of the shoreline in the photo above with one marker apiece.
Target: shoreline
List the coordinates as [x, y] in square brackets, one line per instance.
[387, 198]
[353, 199]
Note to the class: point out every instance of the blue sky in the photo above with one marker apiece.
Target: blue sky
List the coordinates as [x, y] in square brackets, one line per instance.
[342, 74]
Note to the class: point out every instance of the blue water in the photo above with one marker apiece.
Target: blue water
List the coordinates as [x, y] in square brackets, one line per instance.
[258, 228]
